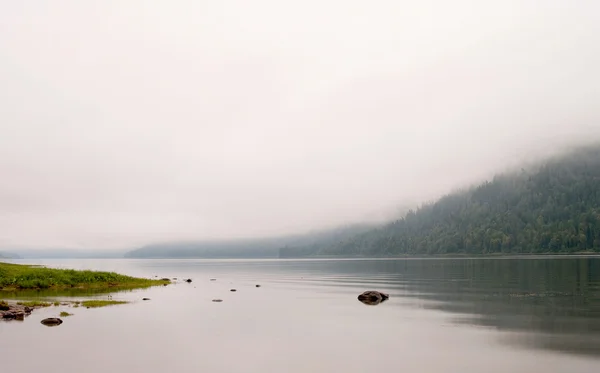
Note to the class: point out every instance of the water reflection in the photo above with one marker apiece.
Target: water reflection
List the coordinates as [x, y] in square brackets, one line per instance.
[544, 303]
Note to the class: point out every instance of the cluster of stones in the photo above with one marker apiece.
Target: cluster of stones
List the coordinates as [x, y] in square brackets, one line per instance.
[15, 312]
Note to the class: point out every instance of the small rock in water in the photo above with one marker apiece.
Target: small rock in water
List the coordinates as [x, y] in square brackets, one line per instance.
[233, 290]
[146, 299]
[174, 278]
[372, 297]
[188, 280]
[165, 279]
[217, 300]
[257, 285]
[213, 279]
[53, 321]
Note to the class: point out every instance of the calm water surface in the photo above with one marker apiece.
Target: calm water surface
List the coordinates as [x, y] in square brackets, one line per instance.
[444, 315]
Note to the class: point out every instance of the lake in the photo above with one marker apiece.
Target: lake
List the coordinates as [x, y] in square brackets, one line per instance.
[531, 314]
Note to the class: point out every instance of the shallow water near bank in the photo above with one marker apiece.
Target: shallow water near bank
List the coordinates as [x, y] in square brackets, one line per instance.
[443, 315]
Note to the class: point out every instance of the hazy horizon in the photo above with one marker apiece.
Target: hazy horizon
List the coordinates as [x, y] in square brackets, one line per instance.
[125, 124]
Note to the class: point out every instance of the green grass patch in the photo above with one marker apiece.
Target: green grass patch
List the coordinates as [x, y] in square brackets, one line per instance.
[101, 303]
[23, 277]
[56, 304]
[34, 303]
[65, 314]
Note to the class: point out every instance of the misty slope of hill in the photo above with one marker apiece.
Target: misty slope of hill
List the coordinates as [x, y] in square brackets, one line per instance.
[50, 253]
[6, 255]
[249, 248]
[551, 208]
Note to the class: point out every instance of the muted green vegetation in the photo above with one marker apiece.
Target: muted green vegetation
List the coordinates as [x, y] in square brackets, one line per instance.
[34, 303]
[101, 303]
[65, 314]
[4, 306]
[552, 208]
[23, 277]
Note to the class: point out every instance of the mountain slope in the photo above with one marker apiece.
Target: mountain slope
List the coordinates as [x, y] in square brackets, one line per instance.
[6, 255]
[249, 248]
[553, 208]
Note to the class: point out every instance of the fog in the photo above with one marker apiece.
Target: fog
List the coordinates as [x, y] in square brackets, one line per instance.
[128, 122]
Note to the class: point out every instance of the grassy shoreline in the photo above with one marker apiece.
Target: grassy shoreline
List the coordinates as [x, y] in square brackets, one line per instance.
[16, 277]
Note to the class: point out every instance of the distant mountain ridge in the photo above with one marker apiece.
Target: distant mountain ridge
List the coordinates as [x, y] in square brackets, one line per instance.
[50, 253]
[7, 255]
[554, 207]
[247, 248]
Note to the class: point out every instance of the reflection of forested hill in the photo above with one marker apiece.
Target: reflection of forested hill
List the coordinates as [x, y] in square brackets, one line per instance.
[546, 303]
[552, 208]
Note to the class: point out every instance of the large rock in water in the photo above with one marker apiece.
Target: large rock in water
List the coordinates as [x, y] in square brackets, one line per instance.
[53, 321]
[373, 297]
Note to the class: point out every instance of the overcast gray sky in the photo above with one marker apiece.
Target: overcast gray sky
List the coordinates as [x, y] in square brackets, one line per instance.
[129, 122]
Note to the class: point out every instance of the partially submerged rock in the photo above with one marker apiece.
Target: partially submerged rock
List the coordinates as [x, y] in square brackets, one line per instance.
[373, 297]
[257, 285]
[188, 280]
[13, 311]
[145, 298]
[217, 300]
[52, 321]
[13, 315]
[233, 290]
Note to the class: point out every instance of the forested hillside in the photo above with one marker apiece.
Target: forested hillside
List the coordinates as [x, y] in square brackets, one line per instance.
[553, 207]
